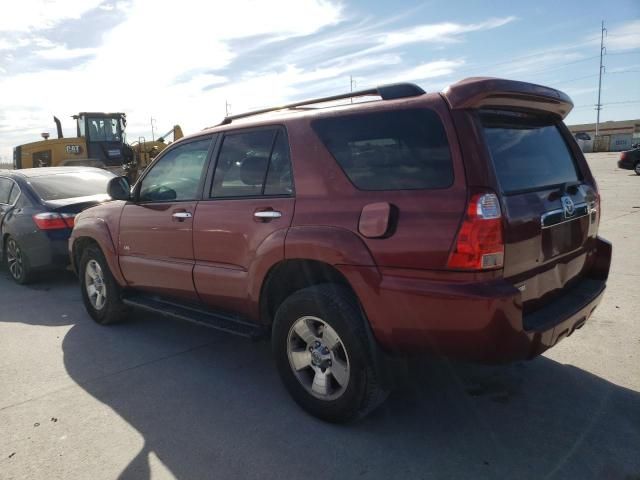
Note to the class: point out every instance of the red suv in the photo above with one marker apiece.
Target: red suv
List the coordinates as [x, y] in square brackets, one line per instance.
[462, 223]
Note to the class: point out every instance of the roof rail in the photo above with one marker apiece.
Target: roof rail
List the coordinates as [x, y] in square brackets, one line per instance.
[386, 92]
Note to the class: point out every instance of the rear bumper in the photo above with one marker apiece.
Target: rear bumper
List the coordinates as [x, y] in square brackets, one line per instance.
[480, 321]
[627, 164]
[46, 250]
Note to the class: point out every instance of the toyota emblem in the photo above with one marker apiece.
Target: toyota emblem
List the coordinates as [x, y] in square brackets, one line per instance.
[568, 206]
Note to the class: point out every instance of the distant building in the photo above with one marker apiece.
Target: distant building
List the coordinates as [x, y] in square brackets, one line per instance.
[613, 136]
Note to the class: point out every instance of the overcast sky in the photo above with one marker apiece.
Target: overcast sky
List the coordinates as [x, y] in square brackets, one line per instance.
[181, 64]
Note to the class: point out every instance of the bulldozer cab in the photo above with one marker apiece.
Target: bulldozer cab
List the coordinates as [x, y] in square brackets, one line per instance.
[104, 134]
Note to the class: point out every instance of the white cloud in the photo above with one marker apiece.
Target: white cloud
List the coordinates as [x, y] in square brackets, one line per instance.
[136, 66]
[440, 32]
[620, 37]
[25, 15]
[174, 64]
[60, 52]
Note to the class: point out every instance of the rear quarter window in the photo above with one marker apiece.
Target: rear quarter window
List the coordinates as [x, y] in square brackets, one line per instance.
[527, 153]
[390, 150]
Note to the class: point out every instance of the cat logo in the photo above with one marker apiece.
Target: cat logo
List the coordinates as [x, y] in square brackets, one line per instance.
[74, 149]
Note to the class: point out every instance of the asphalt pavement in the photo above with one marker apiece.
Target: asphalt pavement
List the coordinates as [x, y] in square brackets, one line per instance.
[158, 398]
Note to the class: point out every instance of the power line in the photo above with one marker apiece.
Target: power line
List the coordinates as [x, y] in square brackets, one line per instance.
[569, 80]
[624, 102]
[564, 64]
[623, 53]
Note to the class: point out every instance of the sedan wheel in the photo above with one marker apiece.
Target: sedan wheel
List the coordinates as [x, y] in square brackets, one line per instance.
[16, 261]
[637, 168]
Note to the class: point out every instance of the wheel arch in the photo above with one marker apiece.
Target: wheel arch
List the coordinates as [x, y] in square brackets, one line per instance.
[290, 275]
[97, 233]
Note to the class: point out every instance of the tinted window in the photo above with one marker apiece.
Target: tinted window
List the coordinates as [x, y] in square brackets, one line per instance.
[176, 175]
[279, 178]
[253, 163]
[5, 189]
[527, 153]
[394, 150]
[71, 185]
[15, 192]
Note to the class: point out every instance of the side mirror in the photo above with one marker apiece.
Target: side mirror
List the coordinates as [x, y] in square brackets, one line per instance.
[119, 188]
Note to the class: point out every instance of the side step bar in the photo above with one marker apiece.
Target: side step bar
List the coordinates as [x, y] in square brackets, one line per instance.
[196, 314]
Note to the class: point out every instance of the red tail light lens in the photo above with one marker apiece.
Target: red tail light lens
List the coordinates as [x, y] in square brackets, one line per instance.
[479, 244]
[54, 221]
[623, 156]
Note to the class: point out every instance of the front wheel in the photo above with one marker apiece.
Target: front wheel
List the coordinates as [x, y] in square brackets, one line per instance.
[323, 356]
[100, 292]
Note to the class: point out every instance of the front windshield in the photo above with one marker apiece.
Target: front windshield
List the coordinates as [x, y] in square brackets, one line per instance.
[104, 129]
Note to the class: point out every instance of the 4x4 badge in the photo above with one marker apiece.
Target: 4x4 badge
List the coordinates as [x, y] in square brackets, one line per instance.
[568, 206]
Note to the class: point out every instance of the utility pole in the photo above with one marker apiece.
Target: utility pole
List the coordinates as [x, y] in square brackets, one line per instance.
[153, 136]
[227, 108]
[603, 50]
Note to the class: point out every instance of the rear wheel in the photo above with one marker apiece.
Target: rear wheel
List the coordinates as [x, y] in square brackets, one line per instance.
[637, 168]
[323, 356]
[100, 292]
[17, 262]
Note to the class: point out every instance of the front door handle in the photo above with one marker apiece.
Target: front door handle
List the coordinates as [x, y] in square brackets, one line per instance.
[182, 216]
[267, 214]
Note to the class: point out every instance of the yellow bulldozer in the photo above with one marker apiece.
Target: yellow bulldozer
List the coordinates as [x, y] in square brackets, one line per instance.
[100, 142]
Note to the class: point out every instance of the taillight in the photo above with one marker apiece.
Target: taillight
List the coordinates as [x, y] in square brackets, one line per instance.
[479, 244]
[54, 221]
[623, 156]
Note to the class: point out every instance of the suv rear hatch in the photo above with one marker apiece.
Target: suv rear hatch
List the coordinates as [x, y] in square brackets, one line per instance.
[549, 199]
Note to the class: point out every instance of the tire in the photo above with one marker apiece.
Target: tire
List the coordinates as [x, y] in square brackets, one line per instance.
[17, 262]
[310, 320]
[637, 168]
[100, 292]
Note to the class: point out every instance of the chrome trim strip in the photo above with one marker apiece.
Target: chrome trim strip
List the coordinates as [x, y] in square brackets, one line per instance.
[560, 211]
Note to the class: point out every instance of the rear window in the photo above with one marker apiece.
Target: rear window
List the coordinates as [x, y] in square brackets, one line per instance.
[527, 154]
[393, 150]
[71, 185]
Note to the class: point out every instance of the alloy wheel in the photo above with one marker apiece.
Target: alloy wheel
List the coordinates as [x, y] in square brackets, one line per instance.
[318, 358]
[95, 285]
[15, 259]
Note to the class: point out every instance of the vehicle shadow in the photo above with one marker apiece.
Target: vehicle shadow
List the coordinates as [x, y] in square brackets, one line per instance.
[210, 405]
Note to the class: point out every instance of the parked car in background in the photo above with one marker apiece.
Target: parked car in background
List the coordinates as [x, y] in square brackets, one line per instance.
[630, 160]
[37, 211]
[462, 223]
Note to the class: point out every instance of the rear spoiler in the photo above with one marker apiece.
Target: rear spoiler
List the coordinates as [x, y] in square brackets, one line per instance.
[486, 92]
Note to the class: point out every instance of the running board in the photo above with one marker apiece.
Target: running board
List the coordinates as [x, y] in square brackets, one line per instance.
[195, 314]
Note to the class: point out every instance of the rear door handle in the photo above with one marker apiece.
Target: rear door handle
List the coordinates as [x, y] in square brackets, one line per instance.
[267, 214]
[182, 215]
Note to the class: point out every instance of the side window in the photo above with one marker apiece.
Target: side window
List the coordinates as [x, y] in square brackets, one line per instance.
[15, 192]
[5, 190]
[252, 164]
[390, 150]
[279, 180]
[176, 176]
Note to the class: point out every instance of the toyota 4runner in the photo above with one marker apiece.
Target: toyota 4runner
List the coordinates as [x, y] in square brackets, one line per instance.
[462, 223]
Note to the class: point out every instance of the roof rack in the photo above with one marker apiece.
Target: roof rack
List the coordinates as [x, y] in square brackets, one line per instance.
[386, 92]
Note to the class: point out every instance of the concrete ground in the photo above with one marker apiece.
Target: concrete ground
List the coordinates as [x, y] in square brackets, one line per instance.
[156, 398]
